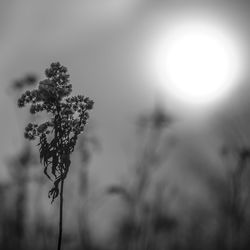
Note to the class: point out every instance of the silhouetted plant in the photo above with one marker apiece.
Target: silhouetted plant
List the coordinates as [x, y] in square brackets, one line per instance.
[57, 136]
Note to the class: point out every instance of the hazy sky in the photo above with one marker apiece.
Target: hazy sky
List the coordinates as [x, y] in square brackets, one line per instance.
[101, 44]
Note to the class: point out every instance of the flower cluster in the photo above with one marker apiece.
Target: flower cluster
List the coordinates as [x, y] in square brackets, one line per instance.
[34, 130]
[51, 90]
[58, 136]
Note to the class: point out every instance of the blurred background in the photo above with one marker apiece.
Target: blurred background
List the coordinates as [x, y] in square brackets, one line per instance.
[154, 170]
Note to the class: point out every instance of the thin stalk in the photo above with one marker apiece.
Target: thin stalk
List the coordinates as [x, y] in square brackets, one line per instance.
[60, 217]
[62, 180]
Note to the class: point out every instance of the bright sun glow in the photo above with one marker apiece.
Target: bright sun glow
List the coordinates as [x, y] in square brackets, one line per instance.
[197, 62]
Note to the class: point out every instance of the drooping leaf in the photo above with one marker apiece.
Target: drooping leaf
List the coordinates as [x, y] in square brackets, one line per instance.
[45, 171]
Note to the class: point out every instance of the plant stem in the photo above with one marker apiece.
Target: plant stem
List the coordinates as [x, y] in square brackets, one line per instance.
[61, 216]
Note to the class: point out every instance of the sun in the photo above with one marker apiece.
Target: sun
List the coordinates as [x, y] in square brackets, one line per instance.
[196, 62]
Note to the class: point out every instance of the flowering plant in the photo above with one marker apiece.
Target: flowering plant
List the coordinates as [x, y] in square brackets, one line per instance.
[57, 136]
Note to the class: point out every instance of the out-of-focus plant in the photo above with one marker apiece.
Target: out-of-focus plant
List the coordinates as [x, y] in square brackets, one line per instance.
[142, 220]
[57, 136]
[19, 169]
[28, 81]
[88, 144]
[235, 204]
